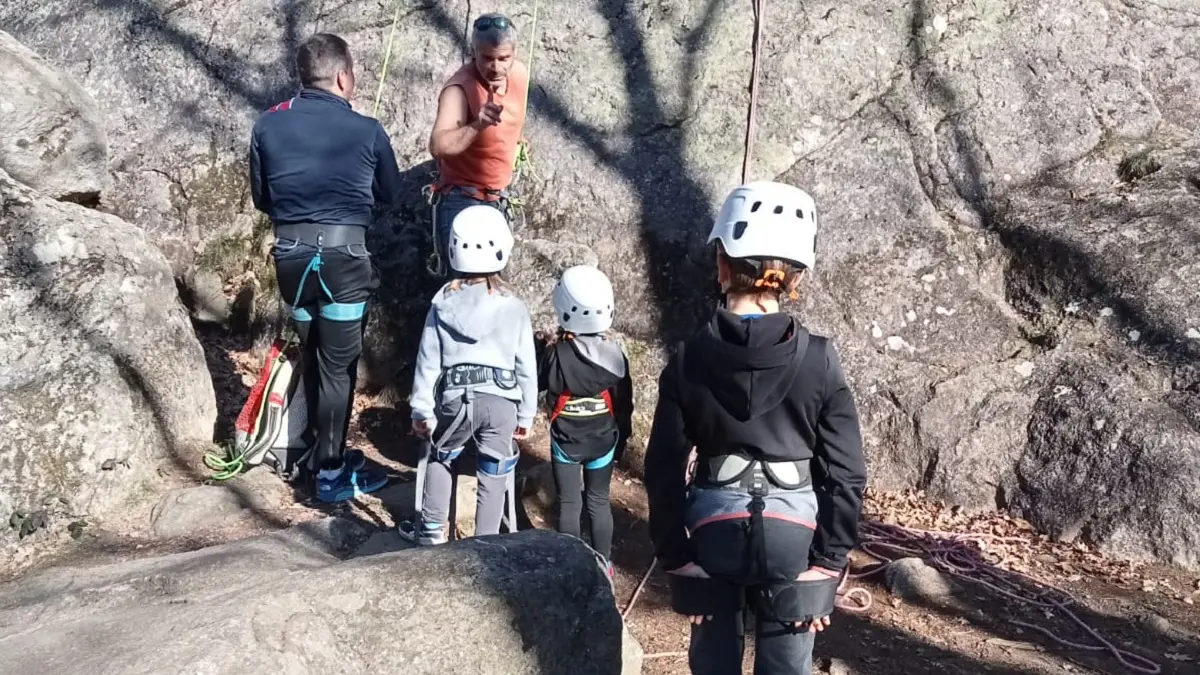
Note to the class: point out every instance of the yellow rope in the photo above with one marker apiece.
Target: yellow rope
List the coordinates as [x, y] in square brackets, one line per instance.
[387, 58]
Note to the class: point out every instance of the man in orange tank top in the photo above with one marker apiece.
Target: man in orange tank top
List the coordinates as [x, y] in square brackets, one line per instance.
[480, 118]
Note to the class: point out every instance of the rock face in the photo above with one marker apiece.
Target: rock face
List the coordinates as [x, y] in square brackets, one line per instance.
[101, 376]
[1110, 277]
[963, 156]
[535, 602]
[54, 137]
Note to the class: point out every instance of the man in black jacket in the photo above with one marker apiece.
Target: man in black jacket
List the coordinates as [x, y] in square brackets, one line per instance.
[773, 512]
[316, 169]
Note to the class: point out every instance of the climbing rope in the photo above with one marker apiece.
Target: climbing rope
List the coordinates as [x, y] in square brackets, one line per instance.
[960, 555]
[225, 466]
[387, 58]
[523, 161]
[752, 114]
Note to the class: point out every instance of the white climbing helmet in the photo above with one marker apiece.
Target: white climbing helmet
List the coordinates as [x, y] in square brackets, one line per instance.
[583, 300]
[480, 241]
[768, 220]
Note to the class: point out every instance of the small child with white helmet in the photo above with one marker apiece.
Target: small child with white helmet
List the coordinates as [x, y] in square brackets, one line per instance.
[476, 375]
[772, 511]
[586, 377]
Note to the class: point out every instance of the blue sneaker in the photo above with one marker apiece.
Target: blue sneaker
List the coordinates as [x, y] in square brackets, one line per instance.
[349, 484]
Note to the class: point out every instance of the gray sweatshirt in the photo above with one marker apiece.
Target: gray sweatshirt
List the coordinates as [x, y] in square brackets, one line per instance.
[472, 327]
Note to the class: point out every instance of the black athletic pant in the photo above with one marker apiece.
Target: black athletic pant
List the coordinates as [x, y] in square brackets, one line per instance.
[573, 482]
[327, 291]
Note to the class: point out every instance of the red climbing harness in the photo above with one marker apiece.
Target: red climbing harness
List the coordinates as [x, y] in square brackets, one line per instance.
[565, 398]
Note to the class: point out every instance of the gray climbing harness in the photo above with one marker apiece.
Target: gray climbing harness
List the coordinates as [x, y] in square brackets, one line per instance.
[465, 380]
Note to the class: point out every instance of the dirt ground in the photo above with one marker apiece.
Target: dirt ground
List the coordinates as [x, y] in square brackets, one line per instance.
[1141, 611]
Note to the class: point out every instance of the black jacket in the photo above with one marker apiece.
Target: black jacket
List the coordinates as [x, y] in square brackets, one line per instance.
[564, 369]
[766, 388]
[314, 160]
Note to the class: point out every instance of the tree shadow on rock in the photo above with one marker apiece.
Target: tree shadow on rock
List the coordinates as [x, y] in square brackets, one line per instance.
[1043, 265]
[674, 207]
[224, 67]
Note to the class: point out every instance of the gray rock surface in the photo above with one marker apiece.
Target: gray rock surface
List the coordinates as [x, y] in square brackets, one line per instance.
[535, 602]
[188, 510]
[101, 376]
[54, 136]
[963, 155]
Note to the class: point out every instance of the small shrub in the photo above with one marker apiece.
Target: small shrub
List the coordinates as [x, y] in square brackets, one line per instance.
[1137, 166]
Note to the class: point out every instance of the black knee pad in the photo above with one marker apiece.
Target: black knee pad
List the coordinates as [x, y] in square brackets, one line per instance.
[795, 601]
[703, 597]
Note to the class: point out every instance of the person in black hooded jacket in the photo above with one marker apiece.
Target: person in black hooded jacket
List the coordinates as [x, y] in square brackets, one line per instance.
[772, 512]
[586, 377]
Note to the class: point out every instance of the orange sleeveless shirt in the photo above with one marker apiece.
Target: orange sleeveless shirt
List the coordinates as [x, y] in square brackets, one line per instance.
[488, 163]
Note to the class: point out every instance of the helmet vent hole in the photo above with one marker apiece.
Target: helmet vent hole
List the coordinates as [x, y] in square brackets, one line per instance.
[779, 209]
[566, 317]
[754, 208]
[739, 228]
[586, 312]
[465, 245]
[800, 214]
[492, 243]
[574, 309]
[479, 246]
[500, 256]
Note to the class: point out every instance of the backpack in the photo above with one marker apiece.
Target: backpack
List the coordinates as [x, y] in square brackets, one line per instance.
[271, 427]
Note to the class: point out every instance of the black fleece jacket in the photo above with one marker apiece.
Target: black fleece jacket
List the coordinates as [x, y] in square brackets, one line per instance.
[314, 160]
[563, 369]
[763, 387]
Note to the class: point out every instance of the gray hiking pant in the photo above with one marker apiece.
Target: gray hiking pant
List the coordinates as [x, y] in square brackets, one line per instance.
[491, 424]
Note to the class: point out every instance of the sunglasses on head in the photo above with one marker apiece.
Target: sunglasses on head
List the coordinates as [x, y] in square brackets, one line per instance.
[497, 22]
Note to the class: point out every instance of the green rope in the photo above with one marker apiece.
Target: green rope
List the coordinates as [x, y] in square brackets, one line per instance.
[227, 466]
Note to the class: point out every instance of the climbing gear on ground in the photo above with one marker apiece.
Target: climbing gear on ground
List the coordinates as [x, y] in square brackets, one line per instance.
[961, 555]
[465, 379]
[583, 300]
[480, 241]
[271, 426]
[768, 221]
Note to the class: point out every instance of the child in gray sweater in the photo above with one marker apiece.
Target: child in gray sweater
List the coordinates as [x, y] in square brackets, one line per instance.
[476, 375]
